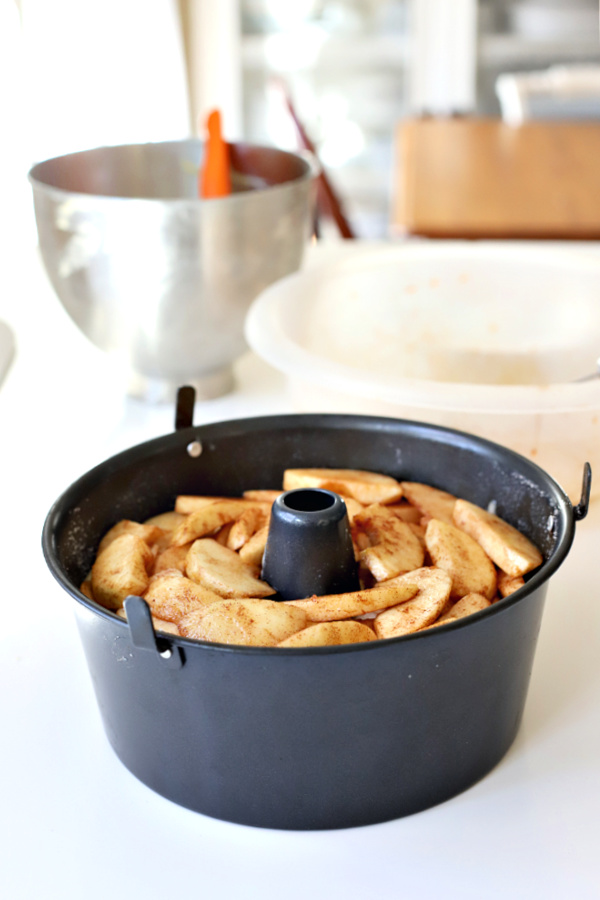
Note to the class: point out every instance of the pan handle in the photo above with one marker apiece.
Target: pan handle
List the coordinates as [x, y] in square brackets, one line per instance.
[581, 510]
[143, 636]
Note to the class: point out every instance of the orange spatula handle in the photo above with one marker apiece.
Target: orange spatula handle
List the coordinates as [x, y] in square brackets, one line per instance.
[215, 176]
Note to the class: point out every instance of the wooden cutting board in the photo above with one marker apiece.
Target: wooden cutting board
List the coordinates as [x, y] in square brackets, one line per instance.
[480, 178]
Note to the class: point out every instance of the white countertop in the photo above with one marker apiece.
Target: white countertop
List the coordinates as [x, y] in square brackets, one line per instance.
[75, 823]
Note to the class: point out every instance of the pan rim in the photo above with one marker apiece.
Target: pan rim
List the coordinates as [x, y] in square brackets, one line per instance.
[563, 510]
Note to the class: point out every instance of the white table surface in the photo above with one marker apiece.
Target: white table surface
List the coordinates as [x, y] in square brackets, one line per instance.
[74, 823]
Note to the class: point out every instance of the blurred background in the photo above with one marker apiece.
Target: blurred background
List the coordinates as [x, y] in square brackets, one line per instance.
[77, 75]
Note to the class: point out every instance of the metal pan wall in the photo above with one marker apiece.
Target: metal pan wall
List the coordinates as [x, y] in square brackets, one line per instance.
[317, 737]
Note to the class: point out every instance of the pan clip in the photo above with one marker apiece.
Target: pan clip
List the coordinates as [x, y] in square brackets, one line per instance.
[143, 636]
[184, 408]
[581, 510]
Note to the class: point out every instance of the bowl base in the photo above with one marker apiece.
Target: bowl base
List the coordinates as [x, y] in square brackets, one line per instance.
[164, 390]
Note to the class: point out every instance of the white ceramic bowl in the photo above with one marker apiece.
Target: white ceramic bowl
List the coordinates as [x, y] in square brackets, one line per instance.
[487, 338]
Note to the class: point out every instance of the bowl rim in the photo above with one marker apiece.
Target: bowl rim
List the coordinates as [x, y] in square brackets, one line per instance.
[266, 335]
[564, 511]
[59, 193]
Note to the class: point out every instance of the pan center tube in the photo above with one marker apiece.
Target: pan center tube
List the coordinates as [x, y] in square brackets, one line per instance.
[309, 548]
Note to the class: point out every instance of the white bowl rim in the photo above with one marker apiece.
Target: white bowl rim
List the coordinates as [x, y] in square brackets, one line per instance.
[269, 341]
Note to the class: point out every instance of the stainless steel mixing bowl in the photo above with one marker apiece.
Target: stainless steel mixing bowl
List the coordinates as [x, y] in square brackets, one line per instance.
[150, 272]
